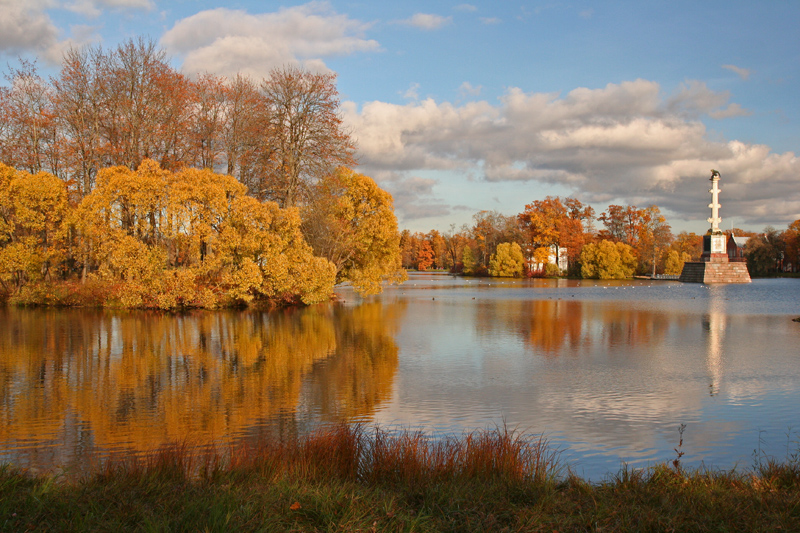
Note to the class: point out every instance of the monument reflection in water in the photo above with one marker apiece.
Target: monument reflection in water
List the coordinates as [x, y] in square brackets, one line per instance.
[607, 371]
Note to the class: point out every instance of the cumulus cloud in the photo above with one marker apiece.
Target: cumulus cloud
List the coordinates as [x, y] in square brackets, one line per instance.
[427, 21]
[490, 20]
[25, 26]
[414, 197]
[466, 7]
[742, 72]
[226, 41]
[625, 142]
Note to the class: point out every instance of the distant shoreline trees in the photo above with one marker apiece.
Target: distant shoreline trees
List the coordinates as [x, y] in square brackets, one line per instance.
[630, 241]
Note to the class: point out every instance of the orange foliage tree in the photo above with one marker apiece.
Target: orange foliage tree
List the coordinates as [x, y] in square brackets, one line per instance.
[425, 256]
[645, 230]
[556, 222]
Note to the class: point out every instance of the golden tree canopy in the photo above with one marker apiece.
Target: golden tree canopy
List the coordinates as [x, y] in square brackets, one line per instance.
[351, 222]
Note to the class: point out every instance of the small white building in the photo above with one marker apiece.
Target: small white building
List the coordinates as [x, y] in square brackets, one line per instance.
[558, 256]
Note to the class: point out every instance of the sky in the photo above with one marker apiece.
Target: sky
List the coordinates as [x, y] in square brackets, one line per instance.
[489, 105]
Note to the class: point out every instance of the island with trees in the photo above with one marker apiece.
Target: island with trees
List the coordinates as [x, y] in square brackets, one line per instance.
[125, 183]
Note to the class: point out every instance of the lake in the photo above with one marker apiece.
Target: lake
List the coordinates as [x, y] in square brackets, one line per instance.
[607, 371]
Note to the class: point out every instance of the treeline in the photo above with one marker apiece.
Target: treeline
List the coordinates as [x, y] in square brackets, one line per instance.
[154, 190]
[152, 238]
[621, 242]
[119, 107]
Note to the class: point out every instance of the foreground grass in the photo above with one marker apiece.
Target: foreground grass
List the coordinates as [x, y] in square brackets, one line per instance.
[352, 479]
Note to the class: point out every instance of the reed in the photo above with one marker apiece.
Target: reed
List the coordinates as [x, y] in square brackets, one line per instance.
[370, 479]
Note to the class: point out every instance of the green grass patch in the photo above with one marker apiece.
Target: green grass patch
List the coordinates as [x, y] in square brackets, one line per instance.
[358, 479]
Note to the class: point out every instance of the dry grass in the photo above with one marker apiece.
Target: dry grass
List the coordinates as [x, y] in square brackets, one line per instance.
[357, 479]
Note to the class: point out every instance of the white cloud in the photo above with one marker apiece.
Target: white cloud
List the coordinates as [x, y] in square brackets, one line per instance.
[742, 72]
[490, 20]
[733, 110]
[466, 7]
[225, 41]
[94, 8]
[24, 26]
[625, 141]
[412, 93]
[695, 97]
[467, 90]
[427, 21]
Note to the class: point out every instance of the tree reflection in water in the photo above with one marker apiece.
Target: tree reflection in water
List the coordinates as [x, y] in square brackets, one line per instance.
[75, 382]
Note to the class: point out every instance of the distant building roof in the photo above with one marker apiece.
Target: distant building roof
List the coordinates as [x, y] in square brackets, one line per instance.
[739, 241]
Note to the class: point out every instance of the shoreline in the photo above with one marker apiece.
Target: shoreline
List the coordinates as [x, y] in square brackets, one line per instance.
[352, 478]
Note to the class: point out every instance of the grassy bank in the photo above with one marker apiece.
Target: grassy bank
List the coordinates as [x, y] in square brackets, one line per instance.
[353, 479]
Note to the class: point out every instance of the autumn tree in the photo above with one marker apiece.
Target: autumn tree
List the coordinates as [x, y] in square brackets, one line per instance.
[688, 243]
[194, 238]
[78, 106]
[621, 224]
[468, 260]
[556, 222]
[408, 249]
[508, 261]
[29, 132]
[673, 265]
[654, 239]
[144, 105]
[454, 243]
[33, 208]
[209, 107]
[763, 252]
[607, 260]
[645, 230]
[490, 229]
[425, 257]
[305, 131]
[792, 241]
[439, 249]
[351, 222]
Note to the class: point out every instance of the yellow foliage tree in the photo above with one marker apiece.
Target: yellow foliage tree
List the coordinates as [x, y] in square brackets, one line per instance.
[673, 266]
[194, 239]
[351, 222]
[266, 257]
[508, 261]
[33, 208]
[607, 260]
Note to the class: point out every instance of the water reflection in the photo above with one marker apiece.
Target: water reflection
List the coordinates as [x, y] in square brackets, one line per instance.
[75, 381]
[714, 324]
[607, 371]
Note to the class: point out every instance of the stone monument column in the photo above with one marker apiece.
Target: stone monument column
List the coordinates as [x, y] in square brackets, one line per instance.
[713, 266]
[714, 242]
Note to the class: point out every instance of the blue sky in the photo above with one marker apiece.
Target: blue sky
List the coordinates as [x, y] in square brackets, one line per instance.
[459, 107]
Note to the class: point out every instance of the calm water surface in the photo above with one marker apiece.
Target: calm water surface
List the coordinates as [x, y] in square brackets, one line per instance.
[606, 371]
